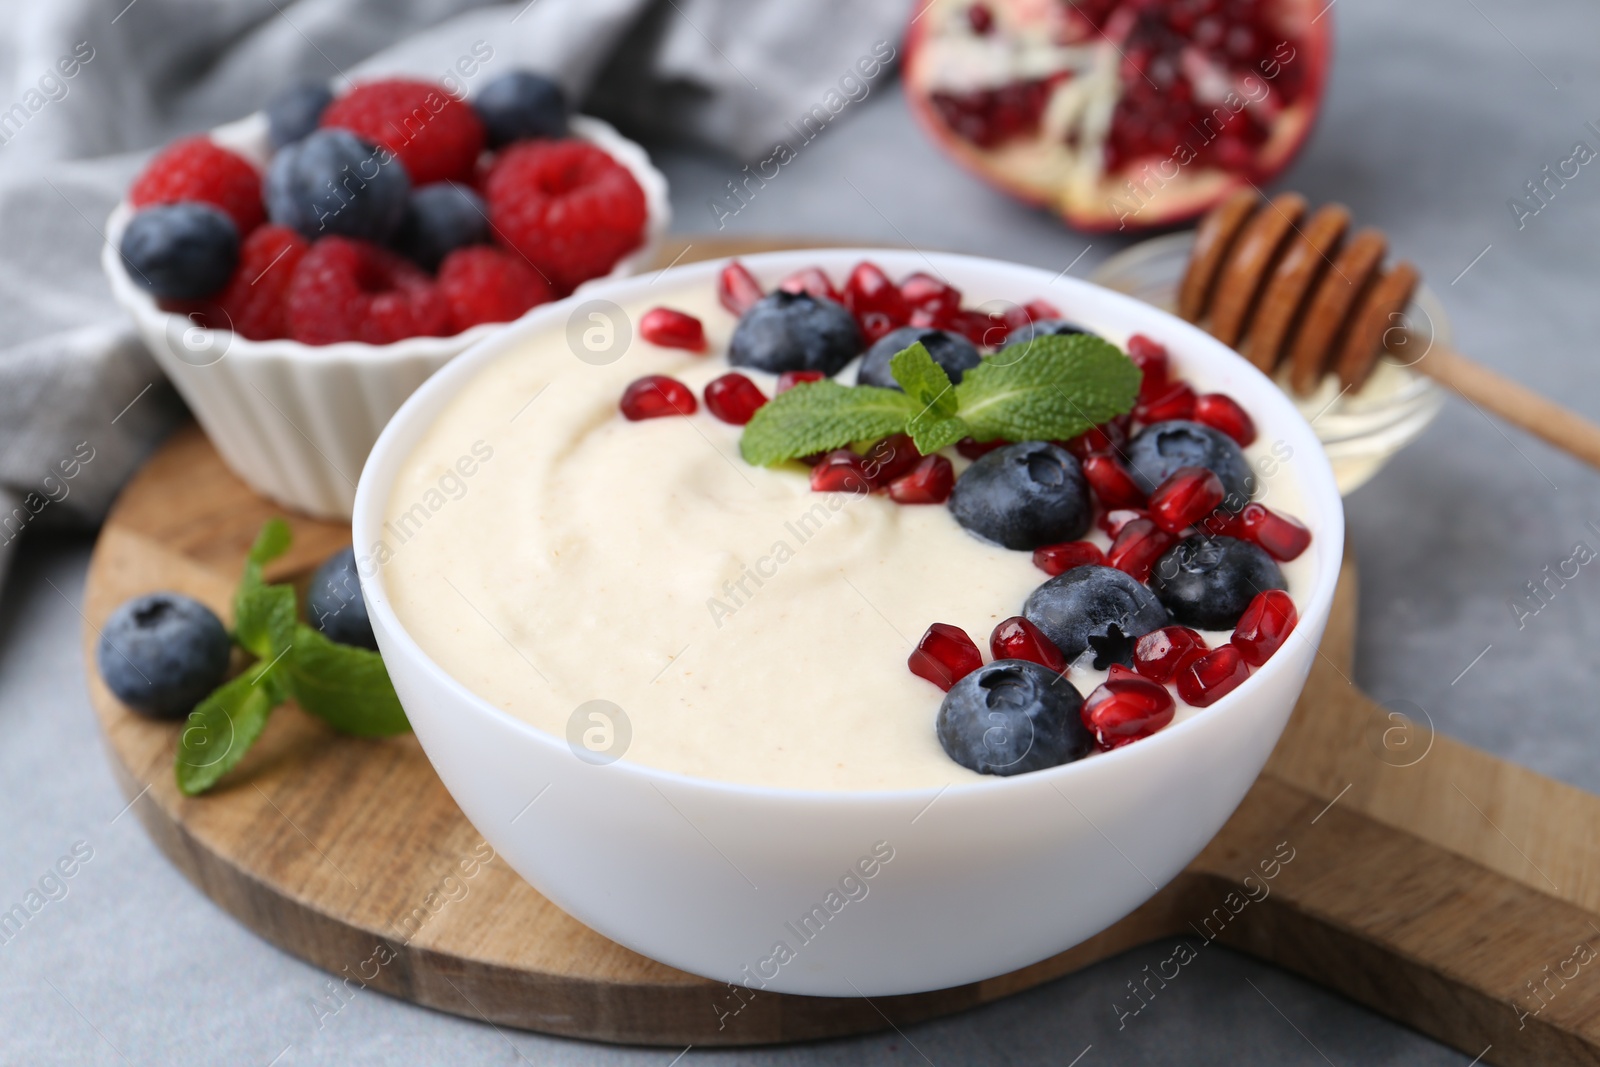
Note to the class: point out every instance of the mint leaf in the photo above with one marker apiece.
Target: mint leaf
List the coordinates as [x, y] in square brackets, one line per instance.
[936, 426]
[272, 542]
[223, 726]
[931, 432]
[924, 380]
[1049, 389]
[348, 687]
[819, 416]
[263, 615]
[263, 619]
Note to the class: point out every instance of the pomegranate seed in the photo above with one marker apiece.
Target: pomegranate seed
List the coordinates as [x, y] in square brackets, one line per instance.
[1176, 401]
[672, 329]
[1114, 520]
[1015, 318]
[923, 292]
[1059, 559]
[929, 482]
[1151, 359]
[1017, 638]
[981, 19]
[875, 301]
[1117, 671]
[1126, 708]
[1220, 523]
[840, 471]
[1138, 545]
[811, 280]
[734, 398]
[1188, 495]
[1107, 437]
[1112, 483]
[891, 457]
[656, 395]
[737, 288]
[976, 449]
[1212, 676]
[791, 378]
[1160, 654]
[1283, 538]
[945, 655]
[1221, 412]
[982, 329]
[1265, 626]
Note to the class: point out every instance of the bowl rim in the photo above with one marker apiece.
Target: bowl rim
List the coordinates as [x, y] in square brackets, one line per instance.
[247, 136]
[400, 435]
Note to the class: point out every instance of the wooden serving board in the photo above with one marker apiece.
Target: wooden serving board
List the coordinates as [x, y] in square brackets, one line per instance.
[1432, 882]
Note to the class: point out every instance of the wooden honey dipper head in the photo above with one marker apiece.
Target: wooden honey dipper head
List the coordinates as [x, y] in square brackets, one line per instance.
[1285, 284]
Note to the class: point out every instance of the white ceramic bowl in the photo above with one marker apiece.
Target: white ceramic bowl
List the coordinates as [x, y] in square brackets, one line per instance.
[985, 878]
[296, 421]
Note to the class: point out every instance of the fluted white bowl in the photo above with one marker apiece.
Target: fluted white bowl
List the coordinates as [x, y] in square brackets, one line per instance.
[296, 421]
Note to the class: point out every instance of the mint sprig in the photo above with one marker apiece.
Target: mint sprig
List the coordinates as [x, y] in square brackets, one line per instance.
[1048, 389]
[347, 687]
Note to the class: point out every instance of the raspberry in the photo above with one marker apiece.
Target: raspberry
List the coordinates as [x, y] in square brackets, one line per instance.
[350, 290]
[436, 136]
[196, 169]
[483, 284]
[254, 302]
[572, 210]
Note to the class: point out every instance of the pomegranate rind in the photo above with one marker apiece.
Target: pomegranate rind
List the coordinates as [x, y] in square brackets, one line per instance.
[1036, 172]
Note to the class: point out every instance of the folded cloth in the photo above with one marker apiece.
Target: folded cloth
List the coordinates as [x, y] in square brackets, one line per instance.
[87, 91]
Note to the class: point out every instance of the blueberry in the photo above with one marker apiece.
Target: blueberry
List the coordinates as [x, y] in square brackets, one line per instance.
[1013, 716]
[333, 182]
[1043, 328]
[521, 104]
[954, 353]
[295, 112]
[439, 219]
[1095, 608]
[1156, 451]
[184, 251]
[162, 653]
[1207, 582]
[333, 600]
[1023, 496]
[795, 331]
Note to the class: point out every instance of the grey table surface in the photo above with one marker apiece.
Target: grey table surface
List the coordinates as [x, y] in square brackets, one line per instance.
[1439, 111]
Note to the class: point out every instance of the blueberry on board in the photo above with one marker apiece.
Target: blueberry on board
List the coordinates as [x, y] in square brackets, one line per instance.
[183, 251]
[439, 219]
[162, 653]
[521, 104]
[1013, 716]
[1095, 608]
[333, 601]
[333, 182]
[1043, 328]
[295, 112]
[1207, 582]
[1023, 496]
[795, 331]
[954, 353]
[1157, 451]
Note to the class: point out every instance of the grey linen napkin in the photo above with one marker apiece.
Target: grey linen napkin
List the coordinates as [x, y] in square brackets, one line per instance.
[87, 90]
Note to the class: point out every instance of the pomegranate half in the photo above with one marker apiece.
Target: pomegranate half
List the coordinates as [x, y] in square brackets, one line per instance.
[1119, 114]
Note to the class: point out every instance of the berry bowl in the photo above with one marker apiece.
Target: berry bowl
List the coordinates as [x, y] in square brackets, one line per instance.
[739, 868]
[294, 420]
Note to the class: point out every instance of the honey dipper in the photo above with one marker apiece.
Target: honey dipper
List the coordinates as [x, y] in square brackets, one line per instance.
[1286, 285]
